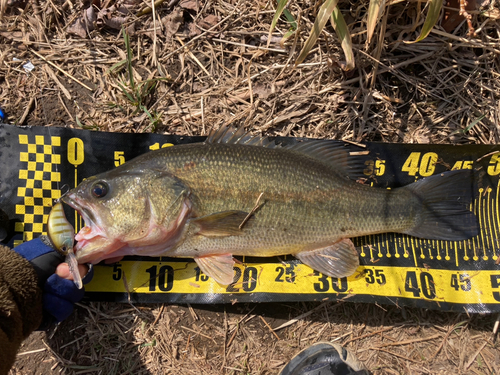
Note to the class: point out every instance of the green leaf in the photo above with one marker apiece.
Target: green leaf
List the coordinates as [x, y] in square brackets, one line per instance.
[473, 123]
[430, 20]
[78, 122]
[116, 66]
[319, 23]
[373, 16]
[293, 26]
[130, 98]
[129, 58]
[338, 22]
[290, 19]
[279, 10]
[146, 344]
[288, 34]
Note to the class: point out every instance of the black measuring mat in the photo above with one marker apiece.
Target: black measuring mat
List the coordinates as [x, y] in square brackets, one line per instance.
[36, 163]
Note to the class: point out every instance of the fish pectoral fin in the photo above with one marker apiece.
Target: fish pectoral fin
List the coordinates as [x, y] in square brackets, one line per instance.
[218, 267]
[338, 260]
[221, 224]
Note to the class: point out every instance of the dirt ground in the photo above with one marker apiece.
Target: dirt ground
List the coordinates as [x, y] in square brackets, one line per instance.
[196, 65]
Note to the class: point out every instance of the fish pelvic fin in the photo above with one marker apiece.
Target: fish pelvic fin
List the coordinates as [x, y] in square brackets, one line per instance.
[220, 224]
[218, 267]
[337, 260]
[445, 206]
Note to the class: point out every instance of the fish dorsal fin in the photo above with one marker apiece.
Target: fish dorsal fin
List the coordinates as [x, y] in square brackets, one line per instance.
[348, 160]
[345, 158]
[231, 135]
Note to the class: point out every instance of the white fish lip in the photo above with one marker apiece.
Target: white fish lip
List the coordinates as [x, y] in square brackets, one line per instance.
[91, 222]
[72, 201]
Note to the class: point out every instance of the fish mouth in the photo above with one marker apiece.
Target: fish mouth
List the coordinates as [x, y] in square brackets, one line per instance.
[95, 245]
[92, 229]
[72, 201]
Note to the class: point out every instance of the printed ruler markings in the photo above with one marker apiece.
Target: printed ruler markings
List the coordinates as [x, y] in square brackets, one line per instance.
[479, 215]
[362, 254]
[379, 247]
[412, 242]
[486, 230]
[397, 246]
[438, 245]
[39, 172]
[475, 246]
[495, 217]
[408, 282]
[405, 241]
[487, 225]
[387, 247]
[497, 198]
[76, 156]
[78, 219]
[484, 207]
[371, 246]
[491, 221]
[467, 245]
[421, 247]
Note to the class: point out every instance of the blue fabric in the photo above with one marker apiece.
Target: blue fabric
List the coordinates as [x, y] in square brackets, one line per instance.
[33, 249]
[59, 295]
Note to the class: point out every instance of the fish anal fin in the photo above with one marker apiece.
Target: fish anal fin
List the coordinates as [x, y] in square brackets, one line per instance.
[337, 260]
[218, 267]
[220, 224]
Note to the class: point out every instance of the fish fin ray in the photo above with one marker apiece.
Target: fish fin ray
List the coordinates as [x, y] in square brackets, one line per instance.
[334, 153]
[444, 202]
[218, 267]
[337, 260]
[220, 224]
[231, 135]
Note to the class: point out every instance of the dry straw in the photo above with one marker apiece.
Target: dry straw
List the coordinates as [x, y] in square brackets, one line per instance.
[215, 62]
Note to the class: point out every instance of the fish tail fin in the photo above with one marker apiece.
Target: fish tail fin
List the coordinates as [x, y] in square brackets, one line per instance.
[445, 202]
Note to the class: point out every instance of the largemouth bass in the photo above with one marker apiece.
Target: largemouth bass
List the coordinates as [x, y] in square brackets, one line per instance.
[237, 194]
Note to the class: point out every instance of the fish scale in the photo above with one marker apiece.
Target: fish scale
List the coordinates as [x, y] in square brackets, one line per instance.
[301, 196]
[202, 201]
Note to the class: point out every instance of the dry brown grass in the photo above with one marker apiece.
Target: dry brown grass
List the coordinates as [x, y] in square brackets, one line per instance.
[218, 70]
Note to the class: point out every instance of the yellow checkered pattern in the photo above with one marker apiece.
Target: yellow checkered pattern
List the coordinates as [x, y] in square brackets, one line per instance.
[39, 179]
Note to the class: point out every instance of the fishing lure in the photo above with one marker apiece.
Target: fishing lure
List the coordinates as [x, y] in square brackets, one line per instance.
[62, 235]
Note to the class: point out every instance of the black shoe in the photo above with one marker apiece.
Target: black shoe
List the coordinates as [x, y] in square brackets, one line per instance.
[324, 358]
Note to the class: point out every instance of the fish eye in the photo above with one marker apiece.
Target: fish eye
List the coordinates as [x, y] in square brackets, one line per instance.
[100, 189]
